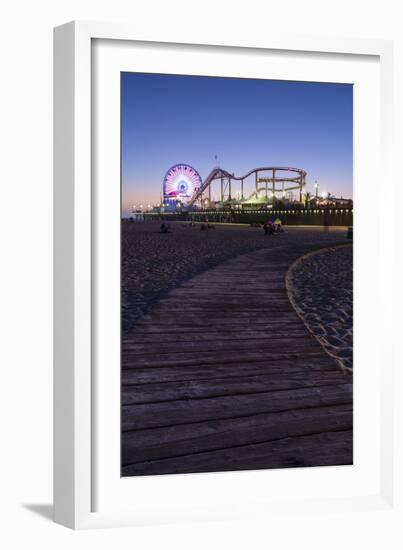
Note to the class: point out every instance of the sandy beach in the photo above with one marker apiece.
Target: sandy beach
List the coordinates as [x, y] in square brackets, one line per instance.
[320, 286]
[154, 263]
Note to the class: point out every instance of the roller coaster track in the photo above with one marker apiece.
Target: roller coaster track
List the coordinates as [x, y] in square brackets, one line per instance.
[218, 173]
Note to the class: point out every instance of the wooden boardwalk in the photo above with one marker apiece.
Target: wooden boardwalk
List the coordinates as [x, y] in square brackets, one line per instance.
[223, 375]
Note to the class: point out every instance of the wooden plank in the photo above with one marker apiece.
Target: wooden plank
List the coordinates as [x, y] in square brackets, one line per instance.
[232, 309]
[324, 449]
[150, 437]
[131, 360]
[261, 288]
[286, 368]
[228, 299]
[200, 389]
[213, 336]
[221, 322]
[170, 413]
[233, 433]
[239, 345]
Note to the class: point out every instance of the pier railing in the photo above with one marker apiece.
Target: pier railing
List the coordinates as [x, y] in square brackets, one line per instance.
[297, 216]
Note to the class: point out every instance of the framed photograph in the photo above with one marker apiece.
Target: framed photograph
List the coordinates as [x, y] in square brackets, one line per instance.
[223, 331]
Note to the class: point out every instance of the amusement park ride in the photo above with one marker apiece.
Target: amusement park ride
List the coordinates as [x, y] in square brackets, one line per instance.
[184, 189]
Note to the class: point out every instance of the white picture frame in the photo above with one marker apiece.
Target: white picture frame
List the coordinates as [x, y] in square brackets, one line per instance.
[78, 389]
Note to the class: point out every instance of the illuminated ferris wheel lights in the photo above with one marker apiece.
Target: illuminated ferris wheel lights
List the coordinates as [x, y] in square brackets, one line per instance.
[180, 183]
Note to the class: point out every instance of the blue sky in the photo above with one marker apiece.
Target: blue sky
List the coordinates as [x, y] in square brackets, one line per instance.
[168, 119]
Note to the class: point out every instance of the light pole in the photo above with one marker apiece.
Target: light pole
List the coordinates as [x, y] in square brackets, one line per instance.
[316, 191]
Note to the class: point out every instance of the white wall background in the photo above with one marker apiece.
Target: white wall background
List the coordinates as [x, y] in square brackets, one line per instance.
[26, 261]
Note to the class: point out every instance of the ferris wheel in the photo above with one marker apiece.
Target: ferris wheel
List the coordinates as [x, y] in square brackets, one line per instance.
[180, 183]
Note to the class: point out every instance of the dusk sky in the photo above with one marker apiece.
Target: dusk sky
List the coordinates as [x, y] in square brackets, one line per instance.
[247, 123]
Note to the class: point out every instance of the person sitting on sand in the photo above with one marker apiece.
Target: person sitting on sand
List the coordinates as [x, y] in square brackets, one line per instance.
[268, 228]
[278, 226]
